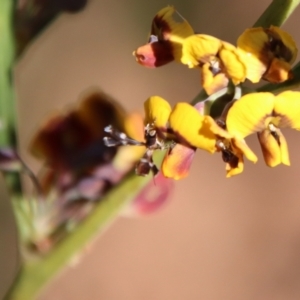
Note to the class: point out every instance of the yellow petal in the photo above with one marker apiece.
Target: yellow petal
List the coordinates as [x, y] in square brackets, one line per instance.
[239, 148]
[274, 152]
[157, 111]
[191, 127]
[262, 46]
[199, 48]
[169, 26]
[165, 27]
[288, 51]
[232, 59]
[253, 41]
[239, 145]
[287, 106]
[177, 162]
[216, 129]
[134, 126]
[237, 169]
[255, 68]
[210, 82]
[248, 114]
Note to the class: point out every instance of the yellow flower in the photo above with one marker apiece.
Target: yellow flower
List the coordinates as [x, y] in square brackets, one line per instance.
[164, 44]
[157, 111]
[233, 152]
[189, 129]
[264, 114]
[270, 52]
[218, 61]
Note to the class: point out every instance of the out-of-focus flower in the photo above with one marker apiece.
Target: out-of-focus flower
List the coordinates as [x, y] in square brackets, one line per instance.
[71, 145]
[164, 44]
[151, 198]
[79, 167]
[270, 52]
[265, 114]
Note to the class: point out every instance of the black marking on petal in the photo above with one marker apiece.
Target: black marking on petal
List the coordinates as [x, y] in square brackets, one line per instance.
[277, 47]
[227, 154]
[230, 158]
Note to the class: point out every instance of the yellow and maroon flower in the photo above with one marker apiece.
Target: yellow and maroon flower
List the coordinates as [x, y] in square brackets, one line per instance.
[218, 61]
[233, 152]
[164, 44]
[270, 52]
[189, 129]
[265, 114]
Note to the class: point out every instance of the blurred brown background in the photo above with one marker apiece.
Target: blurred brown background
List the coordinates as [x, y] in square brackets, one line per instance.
[217, 238]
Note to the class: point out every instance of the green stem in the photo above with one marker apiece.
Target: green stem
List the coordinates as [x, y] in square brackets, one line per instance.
[7, 50]
[7, 96]
[277, 13]
[35, 275]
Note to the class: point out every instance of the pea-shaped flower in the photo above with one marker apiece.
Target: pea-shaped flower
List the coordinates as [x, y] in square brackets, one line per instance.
[270, 52]
[265, 114]
[165, 41]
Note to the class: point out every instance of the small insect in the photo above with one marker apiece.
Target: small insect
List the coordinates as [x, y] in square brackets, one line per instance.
[152, 143]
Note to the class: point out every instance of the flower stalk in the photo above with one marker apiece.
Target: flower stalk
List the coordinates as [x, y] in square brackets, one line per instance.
[34, 275]
[277, 13]
[7, 100]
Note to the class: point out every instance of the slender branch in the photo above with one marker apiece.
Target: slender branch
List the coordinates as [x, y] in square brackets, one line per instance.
[35, 275]
[7, 101]
[277, 13]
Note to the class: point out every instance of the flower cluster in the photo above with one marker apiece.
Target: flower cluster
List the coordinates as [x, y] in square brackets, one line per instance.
[77, 163]
[260, 54]
[78, 169]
